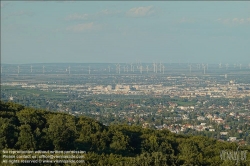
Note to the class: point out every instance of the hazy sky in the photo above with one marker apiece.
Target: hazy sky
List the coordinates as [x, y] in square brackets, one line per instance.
[123, 31]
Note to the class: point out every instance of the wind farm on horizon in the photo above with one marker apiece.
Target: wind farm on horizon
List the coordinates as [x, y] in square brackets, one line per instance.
[124, 68]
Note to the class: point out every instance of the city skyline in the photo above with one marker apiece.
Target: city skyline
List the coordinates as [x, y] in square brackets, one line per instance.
[115, 32]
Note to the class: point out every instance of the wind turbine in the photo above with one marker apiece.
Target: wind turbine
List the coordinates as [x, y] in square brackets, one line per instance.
[190, 69]
[31, 68]
[227, 66]
[109, 68]
[220, 65]
[198, 66]
[137, 65]
[204, 68]
[118, 68]
[154, 67]
[116, 65]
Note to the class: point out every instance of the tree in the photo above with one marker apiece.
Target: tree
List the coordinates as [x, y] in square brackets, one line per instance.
[26, 140]
[8, 133]
[62, 131]
[119, 141]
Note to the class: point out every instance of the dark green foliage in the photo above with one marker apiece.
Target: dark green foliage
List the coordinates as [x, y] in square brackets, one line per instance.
[62, 131]
[8, 133]
[26, 140]
[30, 129]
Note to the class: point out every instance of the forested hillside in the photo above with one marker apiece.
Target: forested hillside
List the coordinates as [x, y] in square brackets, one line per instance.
[23, 128]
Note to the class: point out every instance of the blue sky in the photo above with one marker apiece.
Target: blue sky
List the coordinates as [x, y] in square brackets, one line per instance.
[123, 31]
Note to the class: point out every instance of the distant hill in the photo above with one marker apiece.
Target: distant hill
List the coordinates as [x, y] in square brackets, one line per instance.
[23, 128]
